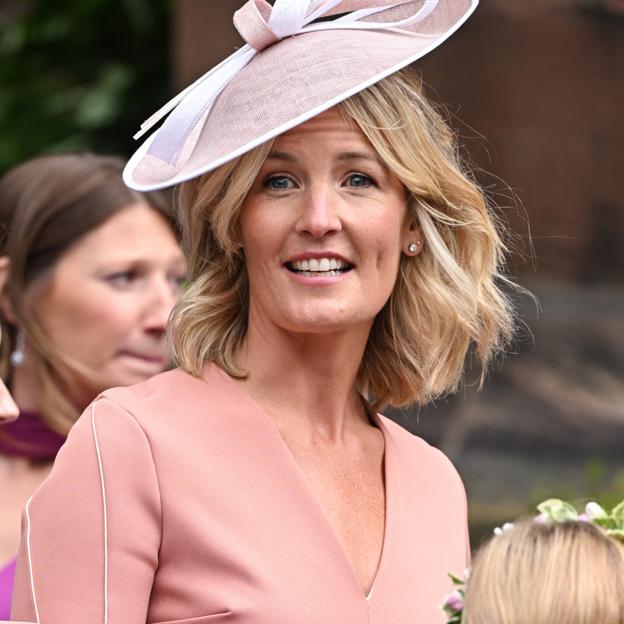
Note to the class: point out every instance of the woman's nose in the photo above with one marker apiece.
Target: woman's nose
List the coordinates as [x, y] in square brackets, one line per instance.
[319, 213]
[159, 305]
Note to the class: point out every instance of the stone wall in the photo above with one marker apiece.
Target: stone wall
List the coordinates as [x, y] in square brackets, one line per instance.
[545, 87]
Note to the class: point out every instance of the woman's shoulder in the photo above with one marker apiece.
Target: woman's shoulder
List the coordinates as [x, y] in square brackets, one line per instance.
[403, 437]
[174, 395]
[416, 453]
[164, 387]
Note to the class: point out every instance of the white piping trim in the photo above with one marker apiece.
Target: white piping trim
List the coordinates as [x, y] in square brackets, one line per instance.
[99, 459]
[30, 566]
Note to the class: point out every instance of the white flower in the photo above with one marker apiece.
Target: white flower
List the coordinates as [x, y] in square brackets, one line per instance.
[506, 527]
[594, 510]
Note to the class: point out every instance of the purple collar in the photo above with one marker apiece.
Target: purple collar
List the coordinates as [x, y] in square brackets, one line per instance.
[30, 437]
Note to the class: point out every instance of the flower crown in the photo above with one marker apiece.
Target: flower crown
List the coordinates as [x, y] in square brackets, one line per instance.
[551, 510]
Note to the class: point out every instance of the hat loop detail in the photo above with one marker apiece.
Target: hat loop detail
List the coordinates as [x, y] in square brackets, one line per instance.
[251, 21]
[261, 26]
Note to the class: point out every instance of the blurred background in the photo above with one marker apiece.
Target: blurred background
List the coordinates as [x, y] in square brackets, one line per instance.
[536, 91]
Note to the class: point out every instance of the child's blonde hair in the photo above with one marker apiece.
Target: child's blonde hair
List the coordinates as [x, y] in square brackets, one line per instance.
[547, 573]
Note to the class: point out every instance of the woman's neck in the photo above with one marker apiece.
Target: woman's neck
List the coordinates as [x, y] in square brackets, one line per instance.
[25, 389]
[307, 381]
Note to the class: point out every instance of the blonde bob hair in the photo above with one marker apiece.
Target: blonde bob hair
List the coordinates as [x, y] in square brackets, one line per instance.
[444, 300]
[561, 572]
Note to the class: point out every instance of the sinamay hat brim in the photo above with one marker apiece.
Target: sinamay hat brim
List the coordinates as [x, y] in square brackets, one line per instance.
[292, 81]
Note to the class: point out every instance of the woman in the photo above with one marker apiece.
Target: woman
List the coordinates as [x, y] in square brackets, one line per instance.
[340, 261]
[89, 272]
[545, 572]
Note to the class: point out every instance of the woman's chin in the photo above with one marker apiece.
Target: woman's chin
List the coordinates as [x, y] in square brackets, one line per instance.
[326, 321]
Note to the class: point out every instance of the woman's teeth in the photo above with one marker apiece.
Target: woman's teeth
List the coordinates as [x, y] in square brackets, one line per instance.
[315, 267]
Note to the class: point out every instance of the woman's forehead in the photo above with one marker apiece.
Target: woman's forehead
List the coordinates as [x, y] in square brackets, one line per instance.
[331, 128]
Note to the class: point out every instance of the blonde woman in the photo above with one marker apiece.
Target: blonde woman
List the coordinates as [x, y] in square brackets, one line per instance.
[341, 260]
[548, 573]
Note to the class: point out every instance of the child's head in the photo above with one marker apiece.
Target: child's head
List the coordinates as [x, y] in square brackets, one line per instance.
[569, 572]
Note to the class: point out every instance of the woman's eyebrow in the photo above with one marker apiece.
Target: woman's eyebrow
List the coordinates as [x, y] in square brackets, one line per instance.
[357, 156]
[371, 156]
[342, 157]
[281, 156]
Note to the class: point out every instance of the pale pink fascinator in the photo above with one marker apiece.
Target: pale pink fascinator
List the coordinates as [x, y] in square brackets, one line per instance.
[301, 58]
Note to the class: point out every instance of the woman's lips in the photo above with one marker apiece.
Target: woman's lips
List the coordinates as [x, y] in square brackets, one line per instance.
[318, 255]
[157, 360]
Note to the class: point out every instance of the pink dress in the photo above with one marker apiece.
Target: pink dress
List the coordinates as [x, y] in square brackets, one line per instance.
[177, 501]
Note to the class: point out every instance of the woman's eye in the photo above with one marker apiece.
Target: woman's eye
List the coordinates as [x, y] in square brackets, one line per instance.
[359, 180]
[279, 183]
[178, 282]
[123, 279]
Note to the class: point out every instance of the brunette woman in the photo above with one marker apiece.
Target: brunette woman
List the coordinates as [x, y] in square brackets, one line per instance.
[89, 272]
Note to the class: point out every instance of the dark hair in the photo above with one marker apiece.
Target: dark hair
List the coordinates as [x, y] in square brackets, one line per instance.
[46, 205]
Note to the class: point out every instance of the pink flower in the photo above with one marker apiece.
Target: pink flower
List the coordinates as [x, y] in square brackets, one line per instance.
[455, 601]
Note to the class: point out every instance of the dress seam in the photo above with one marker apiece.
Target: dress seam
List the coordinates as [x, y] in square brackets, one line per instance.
[151, 454]
[30, 566]
[104, 510]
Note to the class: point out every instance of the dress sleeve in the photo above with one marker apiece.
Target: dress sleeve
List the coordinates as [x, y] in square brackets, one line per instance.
[92, 531]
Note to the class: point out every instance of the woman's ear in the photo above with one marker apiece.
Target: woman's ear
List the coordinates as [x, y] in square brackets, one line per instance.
[412, 240]
[6, 308]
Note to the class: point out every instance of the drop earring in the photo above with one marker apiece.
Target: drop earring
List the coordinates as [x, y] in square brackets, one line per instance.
[18, 356]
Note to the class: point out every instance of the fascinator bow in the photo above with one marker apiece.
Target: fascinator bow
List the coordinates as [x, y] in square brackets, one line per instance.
[261, 25]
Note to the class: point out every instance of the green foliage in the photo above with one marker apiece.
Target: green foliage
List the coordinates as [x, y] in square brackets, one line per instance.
[80, 74]
[600, 482]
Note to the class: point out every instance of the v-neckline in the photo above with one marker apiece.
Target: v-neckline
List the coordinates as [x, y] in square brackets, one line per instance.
[309, 493]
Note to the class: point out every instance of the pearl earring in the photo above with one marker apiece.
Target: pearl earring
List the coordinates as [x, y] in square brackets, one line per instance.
[17, 357]
[413, 248]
